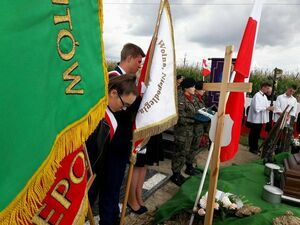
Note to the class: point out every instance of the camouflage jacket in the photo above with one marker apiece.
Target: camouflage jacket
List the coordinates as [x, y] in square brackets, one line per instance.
[198, 103]
[186, 110]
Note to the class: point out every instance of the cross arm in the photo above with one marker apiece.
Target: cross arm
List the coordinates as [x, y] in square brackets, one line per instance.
[230, 87]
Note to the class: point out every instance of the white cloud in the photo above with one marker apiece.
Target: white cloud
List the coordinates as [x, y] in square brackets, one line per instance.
[204, 30]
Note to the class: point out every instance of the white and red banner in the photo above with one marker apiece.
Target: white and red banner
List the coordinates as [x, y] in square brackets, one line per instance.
[158, 109]
[235, 103]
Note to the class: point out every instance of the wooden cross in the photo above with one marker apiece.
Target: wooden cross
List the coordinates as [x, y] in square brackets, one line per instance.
[224, 87]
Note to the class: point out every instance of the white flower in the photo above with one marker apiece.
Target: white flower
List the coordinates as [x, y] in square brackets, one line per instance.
[203, 202]
[233, 206]
[216, 206]
[226, 201]
[239, 203]
[201, 212]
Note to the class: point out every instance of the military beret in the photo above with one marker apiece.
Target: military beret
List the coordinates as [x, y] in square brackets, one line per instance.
[187, 83]
[199, 85]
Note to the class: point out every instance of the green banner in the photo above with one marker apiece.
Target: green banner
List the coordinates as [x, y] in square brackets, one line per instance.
[52, 91]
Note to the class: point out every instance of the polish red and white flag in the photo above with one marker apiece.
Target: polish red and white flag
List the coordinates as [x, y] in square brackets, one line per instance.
[235, 103]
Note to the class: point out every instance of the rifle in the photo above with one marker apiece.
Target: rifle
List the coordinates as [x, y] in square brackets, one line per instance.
[274, 79]
[268, 147]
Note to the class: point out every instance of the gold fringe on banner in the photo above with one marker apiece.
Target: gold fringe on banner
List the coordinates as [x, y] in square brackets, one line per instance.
[155, 128]
[27, 202]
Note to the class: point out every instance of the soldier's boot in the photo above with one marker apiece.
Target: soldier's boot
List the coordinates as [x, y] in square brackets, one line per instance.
[190, 170]
[177, 179]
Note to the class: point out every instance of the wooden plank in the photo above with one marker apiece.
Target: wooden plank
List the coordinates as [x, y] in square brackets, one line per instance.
[232, 87]
[212, 86]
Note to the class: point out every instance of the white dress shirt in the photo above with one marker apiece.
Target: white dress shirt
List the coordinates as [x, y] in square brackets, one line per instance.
[258, 112]
[282, 102]
[123, 71]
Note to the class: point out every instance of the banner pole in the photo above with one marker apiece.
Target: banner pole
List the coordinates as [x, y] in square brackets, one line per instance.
[153, 41]
[202, 182]
[91, 178]
[90, 214]
[133, 155]
[130, 172]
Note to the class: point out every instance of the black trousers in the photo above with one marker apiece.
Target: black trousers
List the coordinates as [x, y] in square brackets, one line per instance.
[254, 136]
[114, 171]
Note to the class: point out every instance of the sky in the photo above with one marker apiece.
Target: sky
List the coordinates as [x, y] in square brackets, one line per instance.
[203, 28]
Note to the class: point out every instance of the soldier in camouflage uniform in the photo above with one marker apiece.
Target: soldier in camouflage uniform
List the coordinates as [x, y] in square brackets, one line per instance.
[198, 129]
[183, 131]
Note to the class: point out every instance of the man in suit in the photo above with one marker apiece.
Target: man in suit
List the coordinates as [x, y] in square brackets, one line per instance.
[120, 145]
[131, 60]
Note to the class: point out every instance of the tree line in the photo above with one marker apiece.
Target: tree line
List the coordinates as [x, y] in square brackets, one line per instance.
[257, 77]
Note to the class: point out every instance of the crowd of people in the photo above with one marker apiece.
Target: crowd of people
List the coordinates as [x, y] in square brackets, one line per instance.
[110, 145]
[258, 112]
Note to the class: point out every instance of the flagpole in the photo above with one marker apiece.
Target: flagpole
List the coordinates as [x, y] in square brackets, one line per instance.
[133, 154]
[153, 41]
[89, 183]
[90, 214]
[201, 183]
[132, 163]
